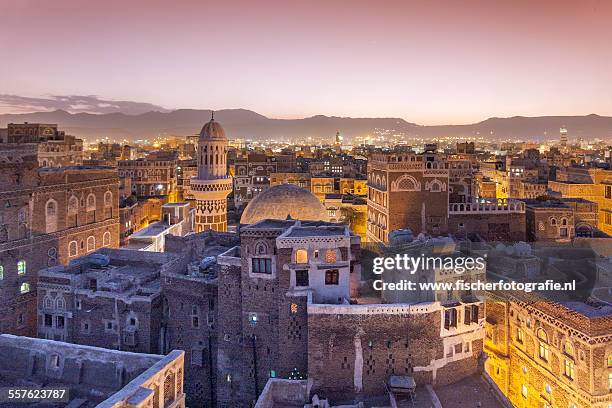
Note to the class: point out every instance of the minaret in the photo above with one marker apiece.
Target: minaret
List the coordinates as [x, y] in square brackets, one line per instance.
[212, 184]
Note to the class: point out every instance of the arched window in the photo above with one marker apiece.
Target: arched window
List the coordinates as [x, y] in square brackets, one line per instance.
[21, 267]
[60, 303]
[48, 302]
[106, 239]
[51, 216]
[108, 199]
[544, 349]
[568, 349]
[72, 249]
[91, 202]
[563, 221]
[553, 221]
[91, 243]
[24, 288]
[73, 205]
[301, 256]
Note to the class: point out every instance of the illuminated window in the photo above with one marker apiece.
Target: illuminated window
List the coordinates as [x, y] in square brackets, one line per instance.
[330, 256]
[548, 388]
[24, 288]
[568, 349]
[1, 272]
[569, 369]
[520, 336]
[544, 349]
[294, 308]
[610, 360]
[301, 256]
[524, 391]
[21, 267]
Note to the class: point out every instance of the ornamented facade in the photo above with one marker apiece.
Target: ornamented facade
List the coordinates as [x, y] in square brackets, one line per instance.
[212, 184]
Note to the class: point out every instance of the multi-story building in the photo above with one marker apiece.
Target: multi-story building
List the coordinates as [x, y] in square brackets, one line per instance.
[560, 219]
[591, 184]
[54, 147]
[151, 176]
[543, 353]
[422, 192]
[110, 298]
[48, 216]
[252, 176]
[298, 179]
[94, 377]
[191, 310]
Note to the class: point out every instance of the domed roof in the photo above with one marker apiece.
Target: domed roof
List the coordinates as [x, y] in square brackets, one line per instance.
[282, 201]
[212, 130]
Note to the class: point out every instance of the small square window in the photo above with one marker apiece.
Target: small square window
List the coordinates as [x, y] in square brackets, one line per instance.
[332, 277]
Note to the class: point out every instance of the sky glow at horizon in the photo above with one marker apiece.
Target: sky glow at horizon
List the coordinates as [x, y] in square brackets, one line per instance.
[434, 62]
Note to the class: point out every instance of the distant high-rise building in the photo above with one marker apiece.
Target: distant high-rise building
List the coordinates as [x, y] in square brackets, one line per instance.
[212, 184]
[563, 136]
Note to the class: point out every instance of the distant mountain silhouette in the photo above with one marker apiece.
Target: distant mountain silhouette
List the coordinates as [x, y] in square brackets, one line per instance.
[242, 123]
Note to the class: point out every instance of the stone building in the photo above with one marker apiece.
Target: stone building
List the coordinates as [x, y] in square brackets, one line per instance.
[95, 377]
[591, 184]
[212, 184]
[252, 176]
[298, 179]
[110, 298]
[54, 147]
[191, 310]
[554, 219]
[289, 287]
[150, 176]
[407, 190]
[547, 354]
[264, 287]
[48, 216]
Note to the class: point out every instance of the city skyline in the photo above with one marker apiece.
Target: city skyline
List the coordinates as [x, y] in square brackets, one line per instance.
[426, 64]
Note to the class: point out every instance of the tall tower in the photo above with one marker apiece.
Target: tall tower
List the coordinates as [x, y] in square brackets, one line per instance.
[212, 184]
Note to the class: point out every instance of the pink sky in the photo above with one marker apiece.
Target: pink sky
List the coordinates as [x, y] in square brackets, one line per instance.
[429, 62]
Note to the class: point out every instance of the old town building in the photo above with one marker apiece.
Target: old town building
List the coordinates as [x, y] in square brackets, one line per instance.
[543, 353]
[54, 147]
[94, 377]
[48, 216]
[150, 176]
[110, 298]
[252, 176]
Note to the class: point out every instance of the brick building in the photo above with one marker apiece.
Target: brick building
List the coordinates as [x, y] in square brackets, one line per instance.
[48, 216]
[110, 299]
[95, 377]
[563, 219]
[252, 176]
[150, 176]
[191, 310]
[407, 190]
[543, 353]
[54, 147]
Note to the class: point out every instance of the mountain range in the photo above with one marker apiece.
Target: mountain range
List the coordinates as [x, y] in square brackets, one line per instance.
[246, 124]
